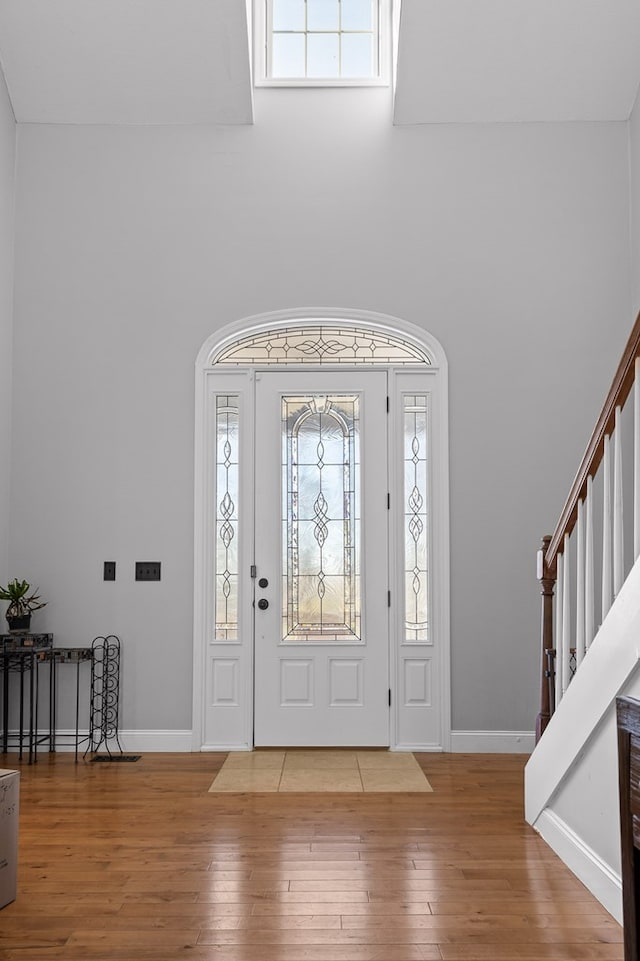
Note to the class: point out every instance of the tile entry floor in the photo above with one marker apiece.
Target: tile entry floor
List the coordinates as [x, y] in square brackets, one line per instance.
[338, 771]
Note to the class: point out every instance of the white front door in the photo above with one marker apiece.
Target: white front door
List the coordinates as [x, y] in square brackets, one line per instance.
[321, 659]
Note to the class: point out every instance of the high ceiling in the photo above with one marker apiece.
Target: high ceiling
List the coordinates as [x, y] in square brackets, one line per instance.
[475, 61]
[189, 61]
[126, 61]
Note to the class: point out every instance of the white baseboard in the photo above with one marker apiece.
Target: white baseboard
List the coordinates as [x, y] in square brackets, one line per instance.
[156, 741]
[222, 748]
[492, 742]
[132, 742]
[604, 883]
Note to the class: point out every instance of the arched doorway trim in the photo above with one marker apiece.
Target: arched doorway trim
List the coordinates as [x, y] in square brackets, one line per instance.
[228, 366]
[420, 347]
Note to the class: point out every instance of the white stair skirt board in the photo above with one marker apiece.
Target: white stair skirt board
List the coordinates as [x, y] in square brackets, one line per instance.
[612, 659]
[492, 742]
[604, 883]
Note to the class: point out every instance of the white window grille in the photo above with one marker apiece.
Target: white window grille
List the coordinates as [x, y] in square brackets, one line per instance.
[321, 42]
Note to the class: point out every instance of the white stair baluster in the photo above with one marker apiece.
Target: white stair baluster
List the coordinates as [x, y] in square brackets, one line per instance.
[589, 576]
[618, 530]
[558, 626]
[636, 462]
[566, 619]
[580, 571]
[607, 596]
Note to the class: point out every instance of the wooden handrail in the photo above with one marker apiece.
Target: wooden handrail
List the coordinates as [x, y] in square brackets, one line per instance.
[553, 545]
[618, 393]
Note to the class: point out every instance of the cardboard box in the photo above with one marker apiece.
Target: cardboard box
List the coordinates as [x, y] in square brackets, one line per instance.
[9, 809]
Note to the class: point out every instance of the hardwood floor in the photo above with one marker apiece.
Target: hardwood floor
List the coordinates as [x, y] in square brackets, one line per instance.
[138, 862]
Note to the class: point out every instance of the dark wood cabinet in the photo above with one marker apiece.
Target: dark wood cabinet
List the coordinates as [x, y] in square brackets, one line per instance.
[628, 714]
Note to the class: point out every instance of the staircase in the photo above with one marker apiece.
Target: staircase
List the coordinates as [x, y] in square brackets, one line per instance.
[589, 573]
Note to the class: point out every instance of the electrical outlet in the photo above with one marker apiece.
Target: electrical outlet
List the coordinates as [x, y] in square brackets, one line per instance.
[147, 570]
[109, 571]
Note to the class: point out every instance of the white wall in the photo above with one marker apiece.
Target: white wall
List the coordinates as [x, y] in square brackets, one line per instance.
[634, 203]
[7, 167]
[508, 242]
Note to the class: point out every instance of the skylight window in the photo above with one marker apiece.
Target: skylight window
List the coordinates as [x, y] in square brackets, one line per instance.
[321, 42]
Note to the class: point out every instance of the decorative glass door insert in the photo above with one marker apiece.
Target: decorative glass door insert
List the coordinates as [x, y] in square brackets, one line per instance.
[226, 518]
[415, 516]
[321, 518]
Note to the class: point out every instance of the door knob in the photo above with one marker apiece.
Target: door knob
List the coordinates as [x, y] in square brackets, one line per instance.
[263, 603]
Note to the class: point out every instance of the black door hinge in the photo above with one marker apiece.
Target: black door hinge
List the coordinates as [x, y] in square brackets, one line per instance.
[388, 598]
[254, 571]
[389, 697]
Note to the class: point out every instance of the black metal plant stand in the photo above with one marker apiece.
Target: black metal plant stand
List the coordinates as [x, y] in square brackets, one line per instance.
[19, 654]
[105, 696]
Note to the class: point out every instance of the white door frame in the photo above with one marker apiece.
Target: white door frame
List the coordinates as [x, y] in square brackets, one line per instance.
[237, 661]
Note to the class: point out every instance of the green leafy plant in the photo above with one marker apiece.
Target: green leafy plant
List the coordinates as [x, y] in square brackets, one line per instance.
[21, 602]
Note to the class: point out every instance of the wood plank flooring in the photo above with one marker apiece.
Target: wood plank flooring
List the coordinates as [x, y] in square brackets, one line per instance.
[138, 862]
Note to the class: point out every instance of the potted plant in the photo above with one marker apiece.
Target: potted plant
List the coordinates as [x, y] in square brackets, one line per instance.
[21, 604]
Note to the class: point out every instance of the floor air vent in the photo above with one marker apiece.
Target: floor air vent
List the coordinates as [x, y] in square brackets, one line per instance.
[117, 757]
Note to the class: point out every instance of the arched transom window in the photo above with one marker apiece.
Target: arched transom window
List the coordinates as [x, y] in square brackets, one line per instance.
[322, 344]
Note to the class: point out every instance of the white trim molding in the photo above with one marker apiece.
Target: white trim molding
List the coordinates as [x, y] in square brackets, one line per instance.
[492, 742]
[354, 317]
[132, 742]
[180, 741]
[421, 709]
[154, 741]
[603, 882]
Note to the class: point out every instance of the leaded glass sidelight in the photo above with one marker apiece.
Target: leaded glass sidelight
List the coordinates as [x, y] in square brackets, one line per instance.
[226, 536]
[321, 518]
[415, 517]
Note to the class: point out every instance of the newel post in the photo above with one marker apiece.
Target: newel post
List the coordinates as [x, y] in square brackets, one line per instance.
[547, 584]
